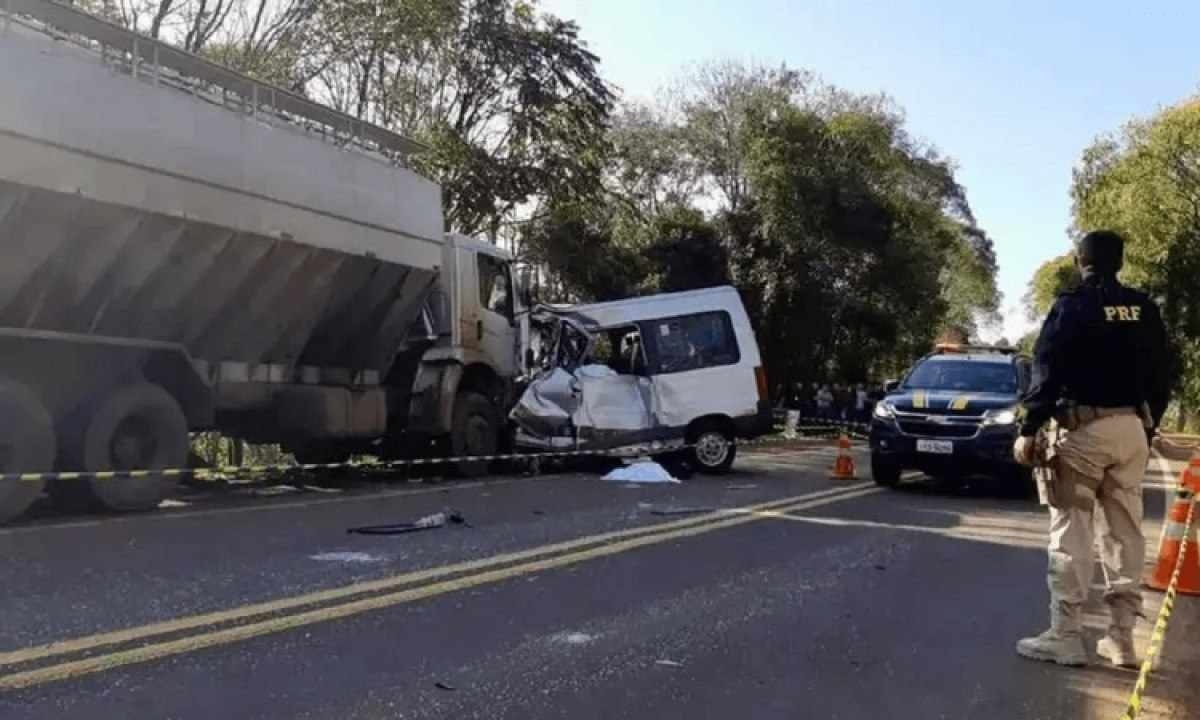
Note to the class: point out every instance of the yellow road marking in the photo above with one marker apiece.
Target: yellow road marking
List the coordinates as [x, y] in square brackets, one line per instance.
[248, 611]
[67, 670]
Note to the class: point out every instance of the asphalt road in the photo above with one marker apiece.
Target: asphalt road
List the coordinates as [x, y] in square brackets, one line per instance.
[779, 594]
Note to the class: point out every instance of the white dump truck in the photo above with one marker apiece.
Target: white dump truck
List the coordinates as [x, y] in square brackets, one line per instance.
[184, 248]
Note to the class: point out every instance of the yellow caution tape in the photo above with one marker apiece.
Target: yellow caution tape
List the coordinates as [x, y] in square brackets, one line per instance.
[1134, 708]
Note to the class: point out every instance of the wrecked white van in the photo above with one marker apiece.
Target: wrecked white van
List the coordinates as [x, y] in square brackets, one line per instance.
[661, 371]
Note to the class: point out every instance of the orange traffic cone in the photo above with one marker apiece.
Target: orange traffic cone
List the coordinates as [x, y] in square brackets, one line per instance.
[843, 466]
[1173, 542]
[1191, 476]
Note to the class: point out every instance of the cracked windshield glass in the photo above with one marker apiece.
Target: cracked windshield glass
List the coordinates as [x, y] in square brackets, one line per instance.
[540, 359]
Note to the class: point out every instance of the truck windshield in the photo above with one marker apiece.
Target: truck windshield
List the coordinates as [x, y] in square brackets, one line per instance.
[963, 375]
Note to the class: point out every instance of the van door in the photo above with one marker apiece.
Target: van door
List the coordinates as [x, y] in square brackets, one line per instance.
[495, 330]
[696, 369]
[615, 391]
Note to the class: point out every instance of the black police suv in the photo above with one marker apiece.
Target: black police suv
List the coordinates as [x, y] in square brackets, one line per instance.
[954, 414]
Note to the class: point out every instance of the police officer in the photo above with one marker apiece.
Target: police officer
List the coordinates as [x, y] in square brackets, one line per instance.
[1100, 371]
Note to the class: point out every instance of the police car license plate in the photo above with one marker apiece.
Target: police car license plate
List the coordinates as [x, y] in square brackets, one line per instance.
[937, 447]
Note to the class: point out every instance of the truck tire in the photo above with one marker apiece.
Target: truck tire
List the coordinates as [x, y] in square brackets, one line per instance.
[27, 444]
[476, 431]
[136, 427]
[713, 449]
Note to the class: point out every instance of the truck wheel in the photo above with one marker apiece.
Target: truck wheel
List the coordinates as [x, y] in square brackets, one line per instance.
[136, 427]
[713, 450]
[26, 445]
[476, 431]
[884, 472]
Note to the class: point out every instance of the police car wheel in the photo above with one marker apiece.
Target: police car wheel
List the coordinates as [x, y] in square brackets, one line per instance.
[884, 472]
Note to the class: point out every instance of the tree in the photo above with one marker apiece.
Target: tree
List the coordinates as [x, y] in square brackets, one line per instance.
[716, 98]
[1144, 182]
[1055, 276]
[509, 100]
[650, 167]
[852, 245]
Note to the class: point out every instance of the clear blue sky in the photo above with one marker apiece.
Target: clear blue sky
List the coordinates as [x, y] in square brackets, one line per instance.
[1012, 91]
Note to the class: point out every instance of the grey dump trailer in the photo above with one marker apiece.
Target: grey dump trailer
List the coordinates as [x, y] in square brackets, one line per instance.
[183, 248]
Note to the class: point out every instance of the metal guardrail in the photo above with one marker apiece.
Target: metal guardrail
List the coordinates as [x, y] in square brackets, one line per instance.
[147, 58]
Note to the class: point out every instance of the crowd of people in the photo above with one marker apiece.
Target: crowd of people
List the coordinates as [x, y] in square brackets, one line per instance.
[836, 401]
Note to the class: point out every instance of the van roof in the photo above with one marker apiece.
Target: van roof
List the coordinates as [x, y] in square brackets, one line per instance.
[688, 302]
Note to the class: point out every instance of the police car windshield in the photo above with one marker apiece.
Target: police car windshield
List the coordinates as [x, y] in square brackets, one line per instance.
[963, 375]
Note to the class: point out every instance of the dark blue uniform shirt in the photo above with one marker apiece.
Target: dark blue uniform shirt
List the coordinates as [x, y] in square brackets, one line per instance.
[1104, 345]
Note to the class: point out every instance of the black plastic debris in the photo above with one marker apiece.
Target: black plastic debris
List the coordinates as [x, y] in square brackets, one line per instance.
[429, 522]
[444, 686]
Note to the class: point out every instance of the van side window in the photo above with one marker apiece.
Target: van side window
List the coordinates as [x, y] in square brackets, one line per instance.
[619, 349]
[494, 285]
[690, 342]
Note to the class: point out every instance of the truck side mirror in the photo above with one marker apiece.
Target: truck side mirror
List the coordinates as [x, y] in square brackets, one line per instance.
[891, 386]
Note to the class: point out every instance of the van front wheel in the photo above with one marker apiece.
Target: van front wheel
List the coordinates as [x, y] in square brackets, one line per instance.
[713, 450]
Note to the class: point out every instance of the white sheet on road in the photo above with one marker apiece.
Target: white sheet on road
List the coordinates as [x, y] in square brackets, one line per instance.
[641, 472]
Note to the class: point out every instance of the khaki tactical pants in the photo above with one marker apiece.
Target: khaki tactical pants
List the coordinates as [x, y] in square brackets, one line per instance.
[1102, 462]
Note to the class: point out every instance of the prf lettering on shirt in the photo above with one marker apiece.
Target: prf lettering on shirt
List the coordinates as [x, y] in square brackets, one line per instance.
[1122, 313]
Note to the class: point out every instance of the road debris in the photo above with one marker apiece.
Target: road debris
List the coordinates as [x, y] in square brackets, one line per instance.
[682, 510]
[741, 486]
[346, 557]
[273, 490]
[444, 686]
[573, 638]
[668, 663]
[429, 522]
[646, 471]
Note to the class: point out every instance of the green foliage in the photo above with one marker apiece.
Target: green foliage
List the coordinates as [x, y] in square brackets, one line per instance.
[853, 244]
[1145, 183]
[1056, 275]
[1027, 341]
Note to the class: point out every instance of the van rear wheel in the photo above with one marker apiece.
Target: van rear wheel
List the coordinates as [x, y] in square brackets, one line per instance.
[27, 444]
[713, 450]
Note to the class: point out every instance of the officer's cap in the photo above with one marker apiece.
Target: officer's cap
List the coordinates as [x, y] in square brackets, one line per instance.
[1101, 250]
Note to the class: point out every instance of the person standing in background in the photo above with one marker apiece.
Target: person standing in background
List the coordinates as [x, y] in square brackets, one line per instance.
[824, 399]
